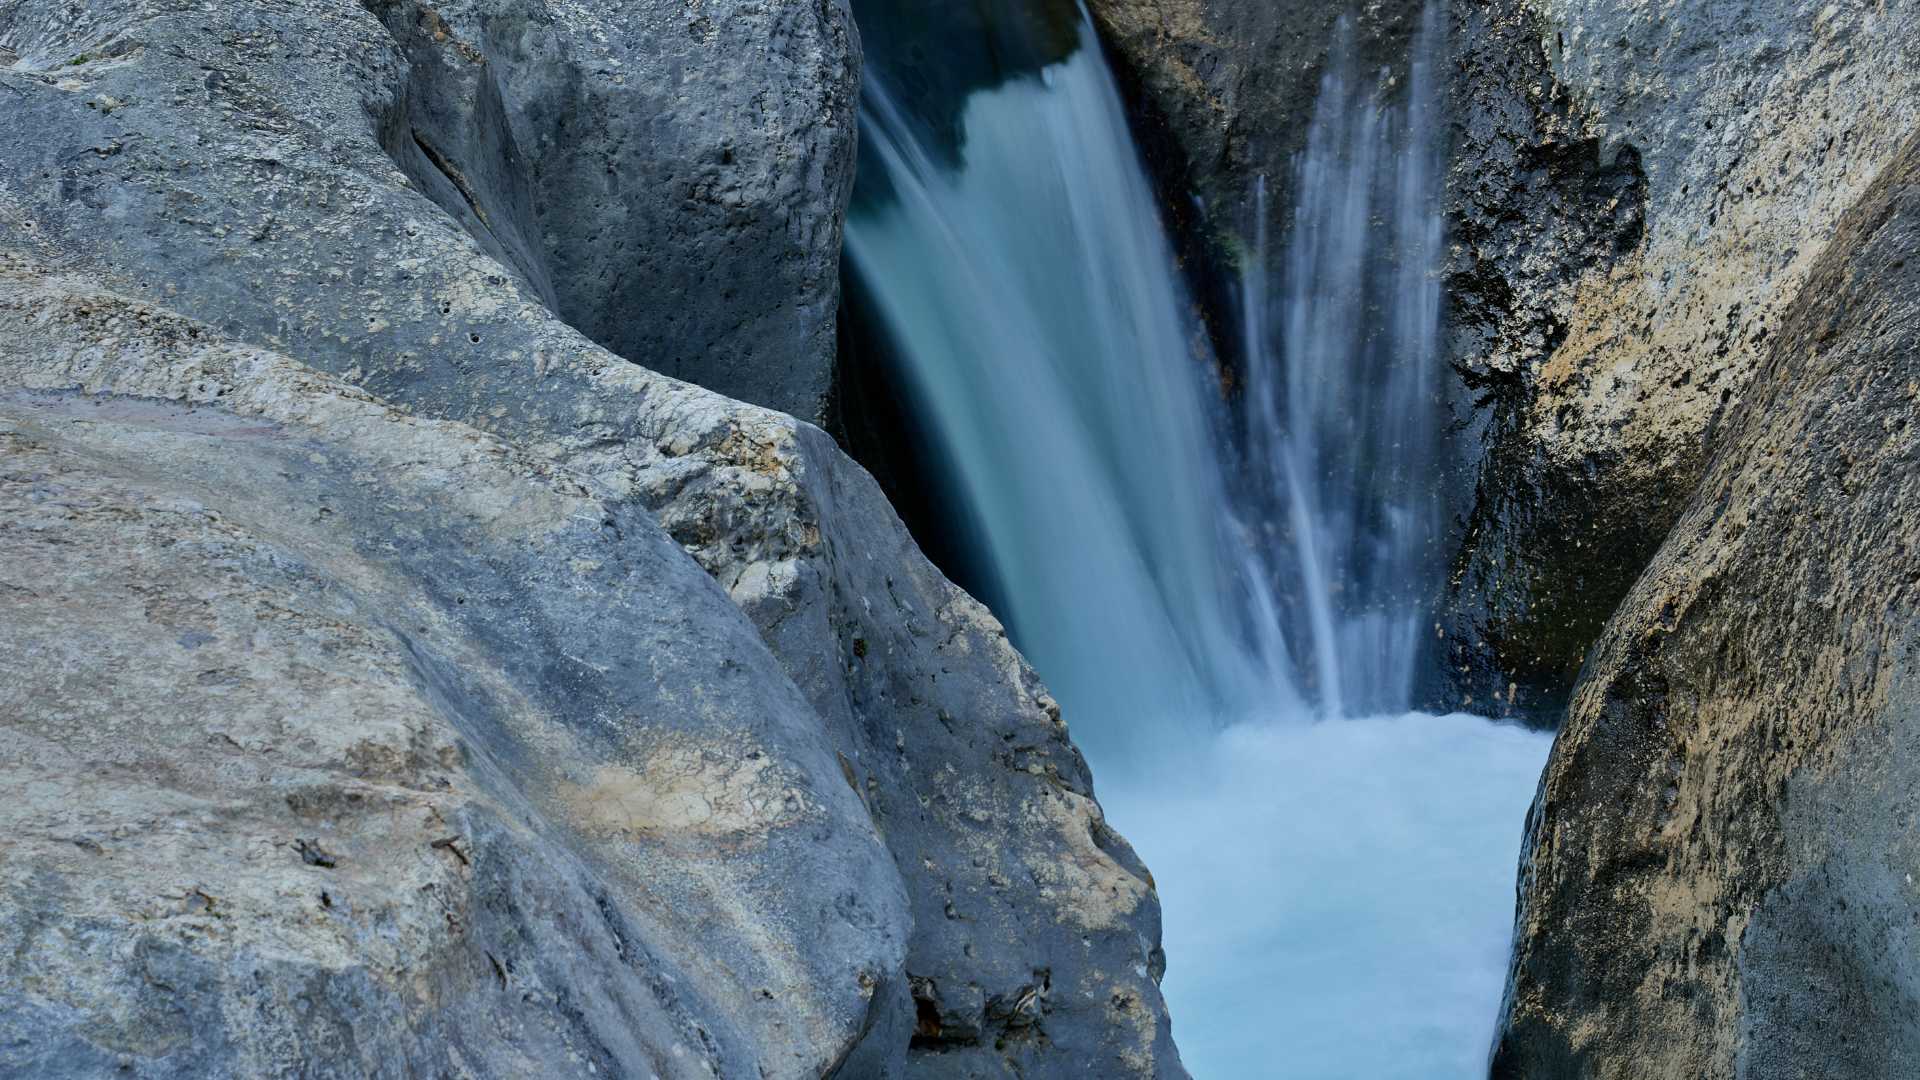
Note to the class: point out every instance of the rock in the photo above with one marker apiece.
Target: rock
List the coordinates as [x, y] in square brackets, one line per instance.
[1226, 89]
[1720, 870]
[339, 740]
[1636, 197]
[236, 164]
[670, 183]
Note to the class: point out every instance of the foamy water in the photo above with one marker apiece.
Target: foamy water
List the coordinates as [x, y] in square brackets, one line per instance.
[1338, 895]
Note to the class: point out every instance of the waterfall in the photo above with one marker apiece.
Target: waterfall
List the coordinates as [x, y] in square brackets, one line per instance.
[1201, 576]
[1053, 348]
[1342, 413]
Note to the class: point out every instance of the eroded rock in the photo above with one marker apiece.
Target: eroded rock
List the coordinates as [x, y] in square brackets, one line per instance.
[1719, 879]
[1637, 197]
[233, 163]
[300, 696]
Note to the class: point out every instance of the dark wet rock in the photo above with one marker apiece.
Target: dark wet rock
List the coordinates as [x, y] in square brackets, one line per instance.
[1535, 203]
[1221, 94]
[932, 57]
[1226, 88]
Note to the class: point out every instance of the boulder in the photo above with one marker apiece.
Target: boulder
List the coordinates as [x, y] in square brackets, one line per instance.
[342, 741]
[1719, 873]
[252, 170]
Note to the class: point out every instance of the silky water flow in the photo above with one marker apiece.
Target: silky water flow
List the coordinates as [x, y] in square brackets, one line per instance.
[1226, 592]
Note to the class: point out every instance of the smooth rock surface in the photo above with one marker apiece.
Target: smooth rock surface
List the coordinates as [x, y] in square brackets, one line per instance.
[1722, 856]
[230, 162]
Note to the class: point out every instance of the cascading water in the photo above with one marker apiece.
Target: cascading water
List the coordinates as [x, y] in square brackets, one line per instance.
[1342, 411]
[1053, 348]
[1336, 891]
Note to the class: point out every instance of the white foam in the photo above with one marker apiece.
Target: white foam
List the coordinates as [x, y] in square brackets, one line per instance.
[1338, 895]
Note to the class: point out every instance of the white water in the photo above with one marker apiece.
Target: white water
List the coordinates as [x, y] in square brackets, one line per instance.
[1342, 412]
[1338, 896]
[1052, 348]
[1337, 892]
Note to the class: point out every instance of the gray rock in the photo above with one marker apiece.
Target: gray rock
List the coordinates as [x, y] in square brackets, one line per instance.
[1719, 878]
[1671, 177]
[670, 181]
[346, 743]
[231, 162]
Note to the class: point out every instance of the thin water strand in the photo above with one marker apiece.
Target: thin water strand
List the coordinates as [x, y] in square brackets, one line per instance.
[1342, 418]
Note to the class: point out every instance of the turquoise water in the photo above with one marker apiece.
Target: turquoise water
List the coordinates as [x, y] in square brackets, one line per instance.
[1052, 350]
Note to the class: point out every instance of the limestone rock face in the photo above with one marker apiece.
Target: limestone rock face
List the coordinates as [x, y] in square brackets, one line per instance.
[1720, 870]
[339, 740]
[347, 195]
[669, 180]
[1638, 193]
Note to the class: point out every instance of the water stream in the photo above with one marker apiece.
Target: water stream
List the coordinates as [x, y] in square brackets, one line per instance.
[1053, 351]
[1226, 592]
[1343, 417]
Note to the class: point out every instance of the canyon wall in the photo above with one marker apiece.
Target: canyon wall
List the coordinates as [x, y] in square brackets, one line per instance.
[404, 670]
[1629, 226]
[1712, 880]
[1633, 195]
[394, 657]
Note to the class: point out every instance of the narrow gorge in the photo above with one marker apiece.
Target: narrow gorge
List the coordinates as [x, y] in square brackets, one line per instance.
[549, 538]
